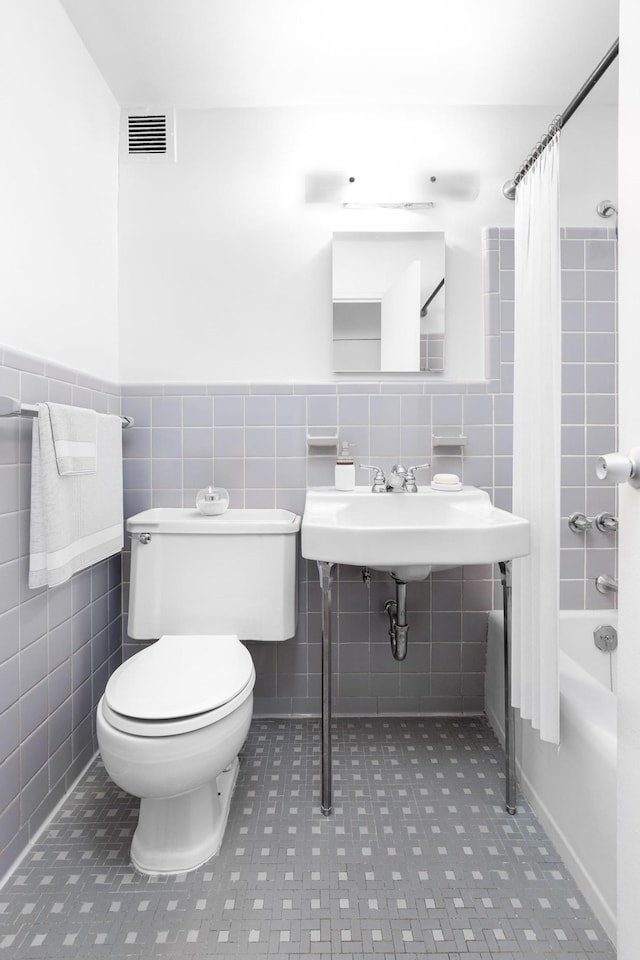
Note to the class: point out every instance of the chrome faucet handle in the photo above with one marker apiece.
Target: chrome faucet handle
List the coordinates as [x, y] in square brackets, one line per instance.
[379, 481]
[410, 480]
[578, 523]
[606, 523]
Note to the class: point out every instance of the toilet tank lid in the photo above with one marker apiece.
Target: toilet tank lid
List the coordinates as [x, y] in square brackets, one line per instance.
[186, 520]
[178, 676]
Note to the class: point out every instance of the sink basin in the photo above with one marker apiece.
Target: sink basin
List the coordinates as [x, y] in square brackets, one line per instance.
[409, 534]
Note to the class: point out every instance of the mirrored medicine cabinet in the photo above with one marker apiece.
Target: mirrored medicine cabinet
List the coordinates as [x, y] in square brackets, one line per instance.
[388, 302]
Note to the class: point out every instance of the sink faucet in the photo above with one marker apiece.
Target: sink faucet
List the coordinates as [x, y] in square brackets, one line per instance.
[400, 479]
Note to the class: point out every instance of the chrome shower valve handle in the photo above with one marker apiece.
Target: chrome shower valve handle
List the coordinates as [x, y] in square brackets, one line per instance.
[606, 523]
[579, 523]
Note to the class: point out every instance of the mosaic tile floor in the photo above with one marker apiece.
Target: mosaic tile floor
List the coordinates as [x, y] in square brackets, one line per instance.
[418, 860]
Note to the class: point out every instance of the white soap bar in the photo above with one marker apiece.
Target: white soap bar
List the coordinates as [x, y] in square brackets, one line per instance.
[446, 481]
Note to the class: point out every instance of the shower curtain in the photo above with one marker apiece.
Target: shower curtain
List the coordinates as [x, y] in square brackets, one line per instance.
[536, 443]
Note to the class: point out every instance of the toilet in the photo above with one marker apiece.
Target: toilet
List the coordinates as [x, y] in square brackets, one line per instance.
[174, 716]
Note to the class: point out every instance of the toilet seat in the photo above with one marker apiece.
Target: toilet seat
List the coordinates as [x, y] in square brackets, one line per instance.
[179, 683]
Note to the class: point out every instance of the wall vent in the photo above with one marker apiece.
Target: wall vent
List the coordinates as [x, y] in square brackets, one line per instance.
[148, 135]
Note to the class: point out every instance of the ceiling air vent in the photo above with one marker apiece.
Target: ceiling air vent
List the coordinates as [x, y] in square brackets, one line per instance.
[148, 135]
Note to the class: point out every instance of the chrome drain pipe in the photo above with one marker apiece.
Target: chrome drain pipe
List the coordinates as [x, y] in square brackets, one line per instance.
[398, 626]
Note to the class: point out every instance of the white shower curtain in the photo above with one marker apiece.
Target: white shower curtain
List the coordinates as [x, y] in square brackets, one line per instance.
[536, 443]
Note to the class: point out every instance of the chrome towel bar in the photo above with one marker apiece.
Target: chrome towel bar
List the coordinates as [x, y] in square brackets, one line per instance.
[10, 407]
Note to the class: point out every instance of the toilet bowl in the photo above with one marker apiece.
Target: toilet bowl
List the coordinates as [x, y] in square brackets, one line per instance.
[170, 725]
[174, 716]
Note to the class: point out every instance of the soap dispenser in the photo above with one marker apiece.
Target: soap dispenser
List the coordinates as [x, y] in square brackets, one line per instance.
[345, 468]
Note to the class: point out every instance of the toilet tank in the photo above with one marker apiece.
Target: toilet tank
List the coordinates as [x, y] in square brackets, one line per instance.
[194, 574]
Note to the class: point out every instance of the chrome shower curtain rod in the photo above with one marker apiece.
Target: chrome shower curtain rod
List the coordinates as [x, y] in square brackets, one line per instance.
[509, 187]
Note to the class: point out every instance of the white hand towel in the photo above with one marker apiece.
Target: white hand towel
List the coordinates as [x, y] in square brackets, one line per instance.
[76, 520]
[74, 431]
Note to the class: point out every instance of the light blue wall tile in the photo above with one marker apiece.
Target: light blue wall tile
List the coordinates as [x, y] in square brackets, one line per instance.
[477, 410]
[573, 285]
[291, 472]
[9, 488]
[384, 441]
[600, 254]
[33, 619]
[260, 411]
[291, 411]
[415, 446]
[137, 474]
[228, 442]
[165, 411]
[260, 442]
[166, 442]
[260, 473]
[601, 378]
[136, 442]
[60, 392]
[9, 437]
[322, 411]
[601, 316]
[600, 347]
[166, 474]
[9, 537]
[228, 473]
[506, 254]
[197, 442]
[33, 664]
[200, 473]
[601, 409]
[291, 441]
[197, 411]
[228, 411]
[59, 644]
[573, 378]
[415, 410]
[600, 285]
[384, 410]
[353, 410]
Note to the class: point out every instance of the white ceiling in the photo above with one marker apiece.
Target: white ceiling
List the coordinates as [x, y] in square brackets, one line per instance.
[258, 53]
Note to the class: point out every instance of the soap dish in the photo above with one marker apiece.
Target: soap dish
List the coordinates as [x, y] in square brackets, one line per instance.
[322, 439]
[446, 481]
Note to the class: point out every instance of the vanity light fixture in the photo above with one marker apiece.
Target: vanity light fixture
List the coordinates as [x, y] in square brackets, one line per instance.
[391, 190]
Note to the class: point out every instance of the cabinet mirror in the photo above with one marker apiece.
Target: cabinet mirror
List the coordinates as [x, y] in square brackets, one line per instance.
[388, 302]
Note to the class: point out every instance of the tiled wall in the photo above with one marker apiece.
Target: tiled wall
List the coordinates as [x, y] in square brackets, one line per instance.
[589, 390]
[57, 646]
[252, 439]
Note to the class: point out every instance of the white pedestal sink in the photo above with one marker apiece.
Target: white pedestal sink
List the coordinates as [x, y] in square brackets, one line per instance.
[409, 535]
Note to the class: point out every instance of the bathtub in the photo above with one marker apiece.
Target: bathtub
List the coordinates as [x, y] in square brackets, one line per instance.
[571, 787]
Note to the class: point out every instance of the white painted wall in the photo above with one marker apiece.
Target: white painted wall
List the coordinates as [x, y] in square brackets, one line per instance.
[225, 272]
[59, 174]
[629, 538]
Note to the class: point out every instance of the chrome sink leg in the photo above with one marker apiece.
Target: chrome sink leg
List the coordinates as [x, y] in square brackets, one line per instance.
[509, 712]
[325, 571]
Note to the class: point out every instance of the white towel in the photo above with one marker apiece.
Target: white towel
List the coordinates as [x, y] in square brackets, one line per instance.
[75, 520]
[74, 431]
